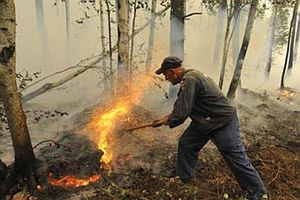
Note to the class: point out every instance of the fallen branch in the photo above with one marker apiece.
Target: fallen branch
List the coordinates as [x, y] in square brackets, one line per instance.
[44, 141]
[59, 72]
[48, 86]
[276, 176]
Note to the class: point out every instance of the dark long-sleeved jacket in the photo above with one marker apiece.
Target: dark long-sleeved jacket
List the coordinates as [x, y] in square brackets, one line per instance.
[200, 99]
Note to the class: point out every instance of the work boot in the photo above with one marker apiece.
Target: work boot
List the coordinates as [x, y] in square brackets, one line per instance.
[249, 196]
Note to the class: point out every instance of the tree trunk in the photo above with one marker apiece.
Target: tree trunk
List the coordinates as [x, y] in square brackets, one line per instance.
[239, 64]
[132, 38]
[297, 39]
[225, 46]
[271, 43]
[102, 37]
[123, 53]
[236, 32]
[220, 31]
[290, 45]
[177, 28]
[176, 35]
[24, 157]
[151, 38]
[39, 9]
[67, 9]
[110, 47]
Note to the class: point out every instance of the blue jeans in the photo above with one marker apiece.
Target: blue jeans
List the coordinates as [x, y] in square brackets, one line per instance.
[228, 142]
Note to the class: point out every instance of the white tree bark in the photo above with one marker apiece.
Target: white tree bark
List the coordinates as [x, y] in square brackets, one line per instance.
[151, 38]
[123, 43]
[24, 156]
[244, 48]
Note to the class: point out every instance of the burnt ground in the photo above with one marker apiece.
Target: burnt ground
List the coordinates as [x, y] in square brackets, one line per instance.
[145, 158]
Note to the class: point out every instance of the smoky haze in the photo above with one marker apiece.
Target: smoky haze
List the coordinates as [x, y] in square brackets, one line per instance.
[84, 41]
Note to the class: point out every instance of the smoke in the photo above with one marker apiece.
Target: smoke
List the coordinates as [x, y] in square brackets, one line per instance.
[84, 91]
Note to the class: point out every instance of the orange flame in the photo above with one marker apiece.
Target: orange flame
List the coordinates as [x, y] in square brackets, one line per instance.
[288, 95]
[72, 181]
[105, 124]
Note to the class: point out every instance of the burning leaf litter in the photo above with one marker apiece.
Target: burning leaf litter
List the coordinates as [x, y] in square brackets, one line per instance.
[72, 181]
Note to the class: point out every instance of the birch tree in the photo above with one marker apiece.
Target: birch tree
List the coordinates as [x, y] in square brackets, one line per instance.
[220, 31]
[271, 42]
[237, 7]
[297, 38]
[103, 45]
[24, 163]
[39, 9]
[288, 63]
[110, 45]
[135, 8]
[176, 35]
[293, 36]
[151, 37]
[246, 40]
[226, 45]
[123, 44]
[67, 15]
[177, 28]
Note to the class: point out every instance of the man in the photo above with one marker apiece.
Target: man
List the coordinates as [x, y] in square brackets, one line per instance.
[213, 118]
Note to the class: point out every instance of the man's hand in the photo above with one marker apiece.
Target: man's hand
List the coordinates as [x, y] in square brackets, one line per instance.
[162, 121]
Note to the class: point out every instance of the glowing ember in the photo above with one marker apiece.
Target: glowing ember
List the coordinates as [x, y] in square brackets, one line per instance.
[39, 187]
[287, 93]
[72, 181]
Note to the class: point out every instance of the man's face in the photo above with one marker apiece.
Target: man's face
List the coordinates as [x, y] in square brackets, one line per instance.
[172, 76]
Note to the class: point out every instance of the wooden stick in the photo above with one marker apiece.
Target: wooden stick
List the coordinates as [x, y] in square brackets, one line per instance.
[139, 127]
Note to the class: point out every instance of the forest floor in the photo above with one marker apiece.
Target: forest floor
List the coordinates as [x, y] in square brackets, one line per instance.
[143, 166]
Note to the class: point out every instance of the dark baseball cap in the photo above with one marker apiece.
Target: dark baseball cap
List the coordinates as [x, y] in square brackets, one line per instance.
[169, 63]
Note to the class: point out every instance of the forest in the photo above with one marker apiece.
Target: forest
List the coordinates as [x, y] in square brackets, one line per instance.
[79, 96]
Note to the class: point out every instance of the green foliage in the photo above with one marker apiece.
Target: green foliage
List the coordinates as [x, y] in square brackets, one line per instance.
[211, 6]
[282, 24]
[165, 3]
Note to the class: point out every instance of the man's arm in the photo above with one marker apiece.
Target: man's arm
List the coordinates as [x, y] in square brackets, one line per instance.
[184, 103]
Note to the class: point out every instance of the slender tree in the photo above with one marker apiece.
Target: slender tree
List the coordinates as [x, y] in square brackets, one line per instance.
[176, 35]
[290, 46]
[123, 43]
[110, 49]
[39, 9]
[239, 64]
[237, 7]
[24, 164]
[132, 38]
[297, 38]
[220, 31]
[151, 38]
[67, 10]
[103, 45]
[177, 28]
[271, 42]
[226, 45]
